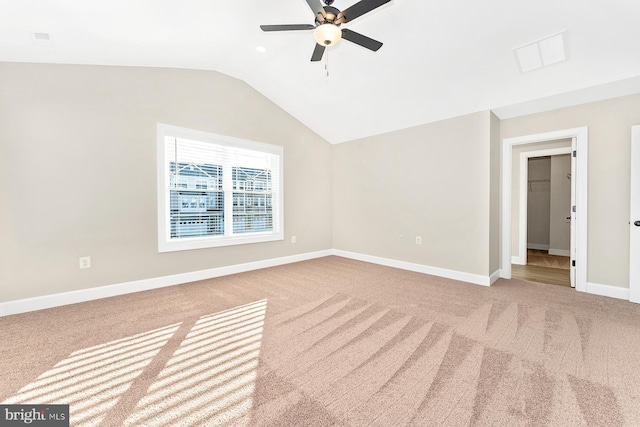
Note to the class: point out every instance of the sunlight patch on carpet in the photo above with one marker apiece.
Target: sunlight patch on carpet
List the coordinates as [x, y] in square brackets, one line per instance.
[211, 377]
[91, 380]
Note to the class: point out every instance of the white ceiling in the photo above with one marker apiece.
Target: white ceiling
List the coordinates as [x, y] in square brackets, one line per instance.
[440, 59]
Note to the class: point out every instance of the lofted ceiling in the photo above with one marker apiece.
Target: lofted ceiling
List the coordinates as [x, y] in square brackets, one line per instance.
[440, 59]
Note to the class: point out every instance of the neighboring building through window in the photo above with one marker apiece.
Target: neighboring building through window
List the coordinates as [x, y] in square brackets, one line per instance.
[216, 191]
[251, 215]
[196, 205]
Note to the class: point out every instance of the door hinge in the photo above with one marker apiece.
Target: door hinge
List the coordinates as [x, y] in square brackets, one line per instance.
[573, 263]
[575, 152]
[573, 208]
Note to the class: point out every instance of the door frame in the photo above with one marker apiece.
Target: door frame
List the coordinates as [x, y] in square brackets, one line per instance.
[582, 138]
[521, 258]
[634, 215]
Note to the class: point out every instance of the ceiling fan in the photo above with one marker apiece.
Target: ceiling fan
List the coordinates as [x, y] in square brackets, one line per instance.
[328, 19]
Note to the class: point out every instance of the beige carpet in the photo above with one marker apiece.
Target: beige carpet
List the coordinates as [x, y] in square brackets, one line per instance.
[331, 342]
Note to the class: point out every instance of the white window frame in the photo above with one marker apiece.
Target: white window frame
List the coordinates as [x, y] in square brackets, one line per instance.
[165, 243]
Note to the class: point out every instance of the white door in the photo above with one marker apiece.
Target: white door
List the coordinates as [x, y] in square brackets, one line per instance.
[634, 223]
[572, 214]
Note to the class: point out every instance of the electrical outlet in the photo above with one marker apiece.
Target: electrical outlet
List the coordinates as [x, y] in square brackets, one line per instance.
[293, 239]
[418, 240]
[85, 262]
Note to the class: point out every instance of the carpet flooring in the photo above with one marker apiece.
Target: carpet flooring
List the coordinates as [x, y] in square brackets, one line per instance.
[331, 342]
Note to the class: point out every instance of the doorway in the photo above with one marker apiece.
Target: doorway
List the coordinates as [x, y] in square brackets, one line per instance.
[579, 137]
[634, 222]
[544, 217]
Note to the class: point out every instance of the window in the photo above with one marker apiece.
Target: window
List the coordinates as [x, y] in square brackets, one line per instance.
[208, 188]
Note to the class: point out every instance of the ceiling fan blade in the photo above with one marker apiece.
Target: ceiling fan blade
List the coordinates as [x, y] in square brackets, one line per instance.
[363, 41]
[317, 53]
[359, 9]
[287, 27]
[316, 7]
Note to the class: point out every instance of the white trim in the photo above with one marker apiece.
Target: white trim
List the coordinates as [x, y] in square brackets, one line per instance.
[634, 215]
[608, 291]
[537, 246]
[56, 300]
[420, 268]
[165, 243]
[582, 136]
[573, 234]
[518, 260]
[495, 276]
[524, 201]
[560, 252]
[82, 295]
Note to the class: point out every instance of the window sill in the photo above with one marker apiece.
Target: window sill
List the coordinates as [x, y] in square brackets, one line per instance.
[208, 242]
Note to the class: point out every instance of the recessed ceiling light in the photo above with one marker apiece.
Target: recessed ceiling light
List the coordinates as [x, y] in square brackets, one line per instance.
[540, 53]
[261, 49]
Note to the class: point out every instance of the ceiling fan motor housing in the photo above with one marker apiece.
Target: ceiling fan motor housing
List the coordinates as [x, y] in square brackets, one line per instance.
[330, 16]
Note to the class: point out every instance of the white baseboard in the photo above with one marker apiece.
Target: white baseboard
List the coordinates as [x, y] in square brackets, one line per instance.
[537, 246]
[82, 295]
[419, 268]
[559, 252]
[519, 260]
[495, 276]
[608, 291]
[66, 298]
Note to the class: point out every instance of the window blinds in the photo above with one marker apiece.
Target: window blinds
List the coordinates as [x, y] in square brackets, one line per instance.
[216, 191]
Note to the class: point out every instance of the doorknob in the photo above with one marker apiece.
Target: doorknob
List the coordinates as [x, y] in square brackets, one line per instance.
[637, 223]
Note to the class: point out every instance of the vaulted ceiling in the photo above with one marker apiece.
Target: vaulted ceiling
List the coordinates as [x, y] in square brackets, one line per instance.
[439, 59]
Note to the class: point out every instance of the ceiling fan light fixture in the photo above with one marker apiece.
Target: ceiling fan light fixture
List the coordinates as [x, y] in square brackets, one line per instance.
[327, 34]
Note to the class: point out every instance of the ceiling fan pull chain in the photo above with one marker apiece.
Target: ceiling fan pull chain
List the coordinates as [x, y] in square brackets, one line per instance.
[326, 62]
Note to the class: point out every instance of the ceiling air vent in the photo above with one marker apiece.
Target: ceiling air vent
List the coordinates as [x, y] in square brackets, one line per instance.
[541, 53]
[41, 39]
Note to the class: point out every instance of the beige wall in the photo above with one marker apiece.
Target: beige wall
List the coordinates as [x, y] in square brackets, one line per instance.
[431, 181]
[560, 204]
[78, 177]
[609, 124]
[538, 202]
[78, 172]
[515, 184]
[494, 204]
